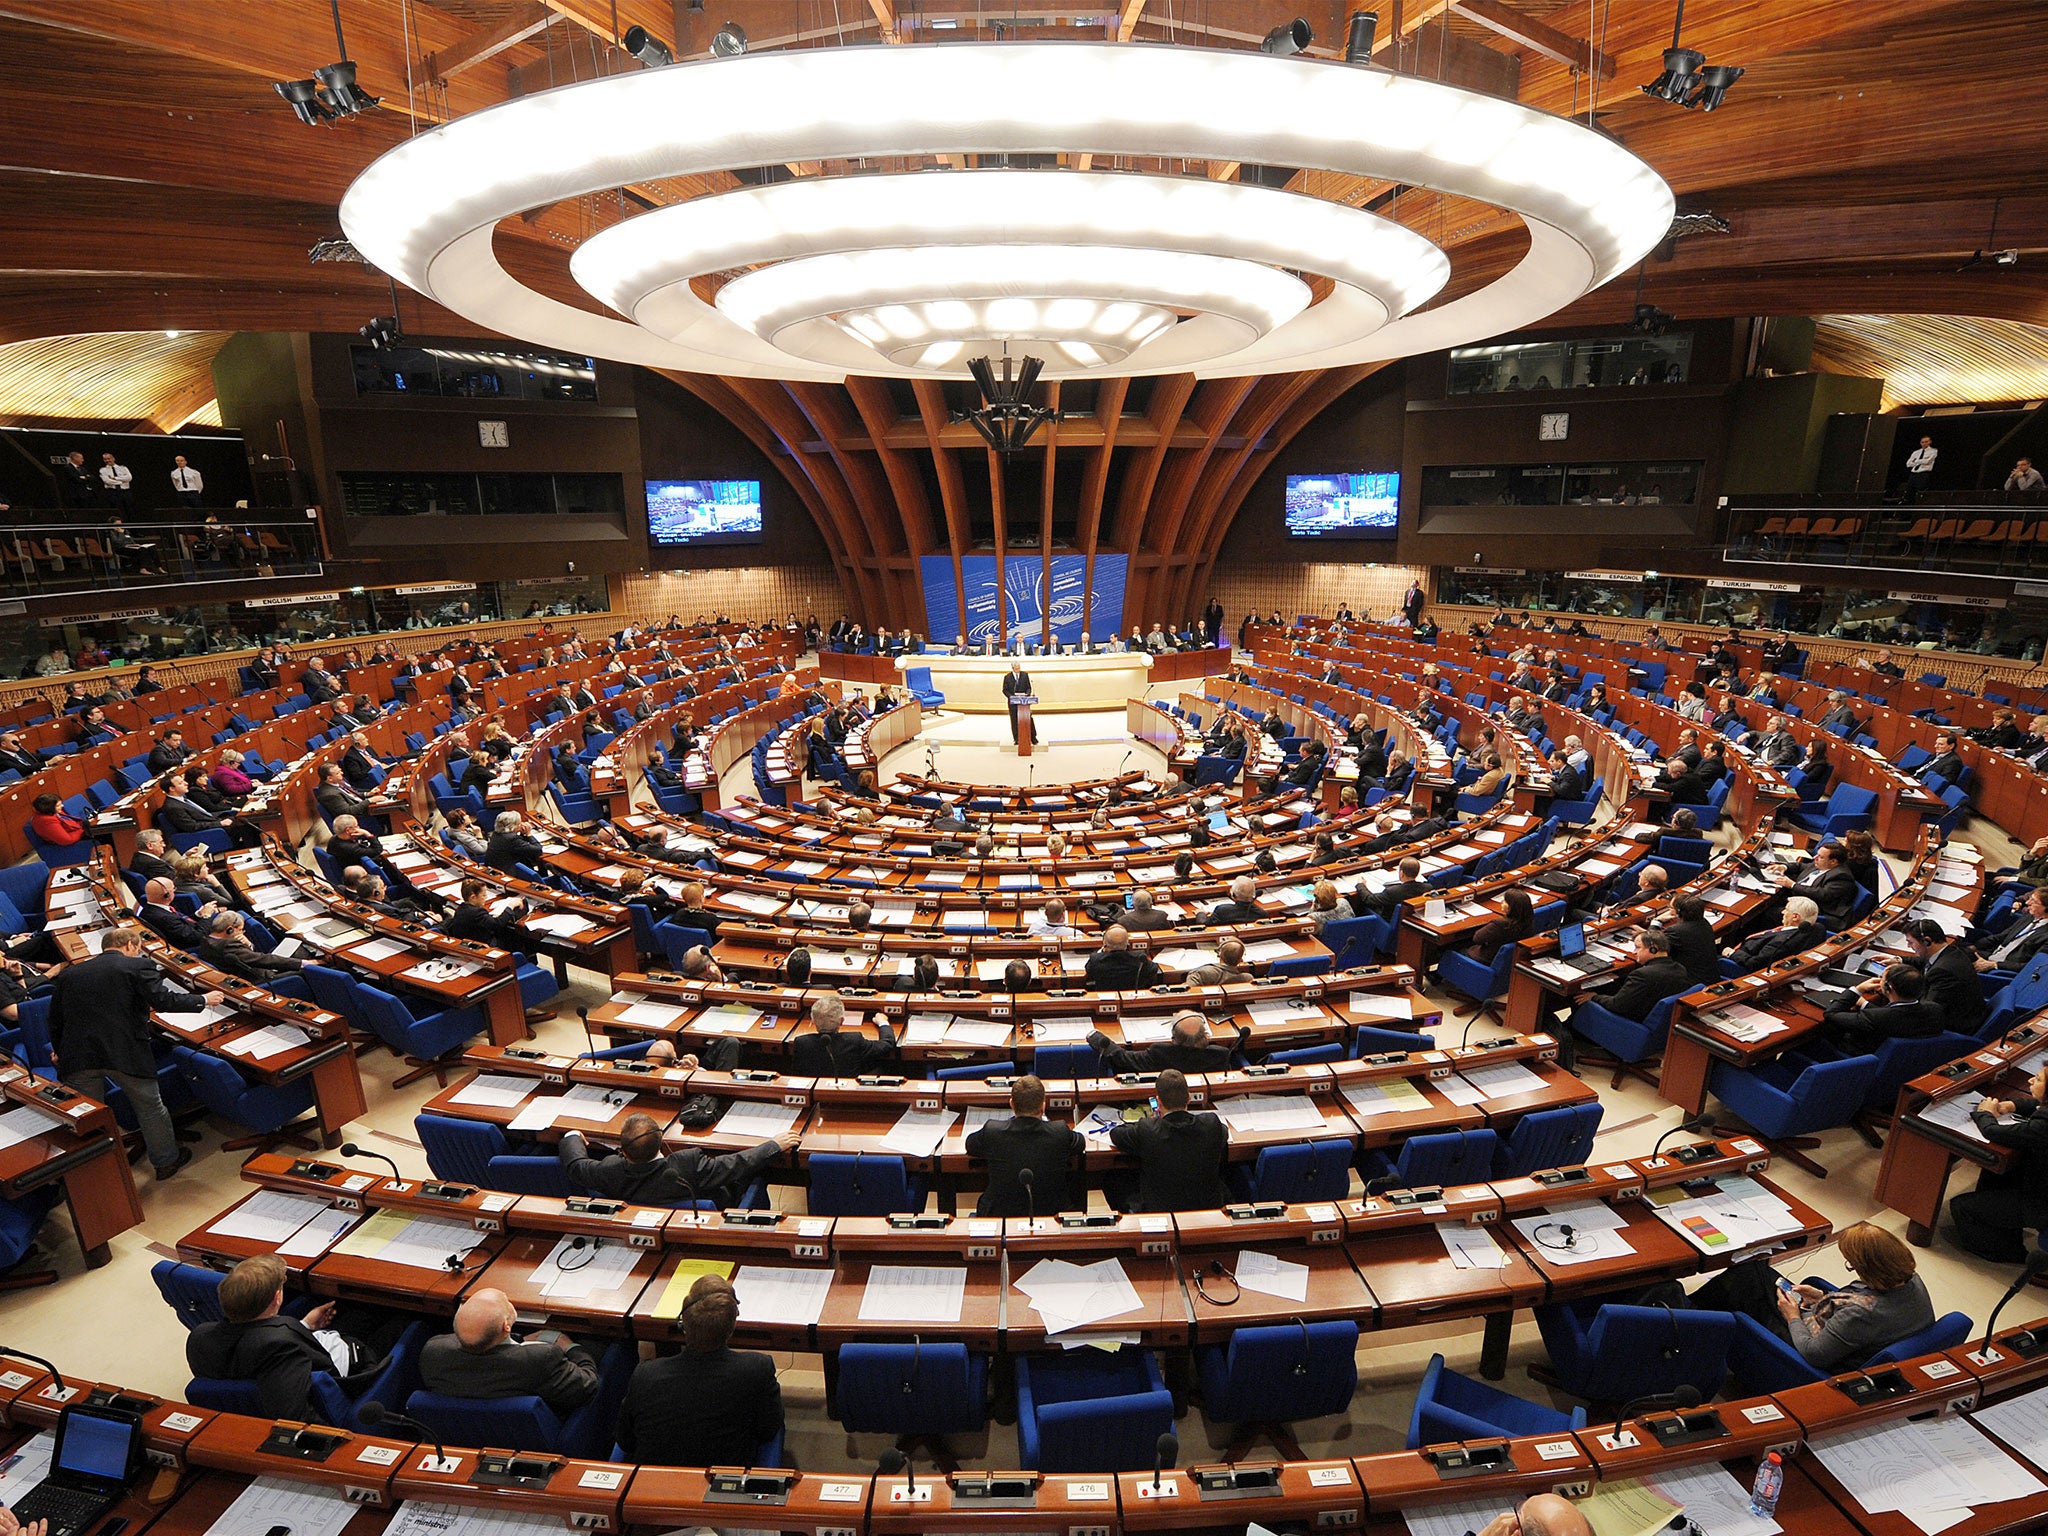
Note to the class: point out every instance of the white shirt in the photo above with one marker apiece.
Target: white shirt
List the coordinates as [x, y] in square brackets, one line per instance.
[1920, 460]
[117, 477]
[188, 479]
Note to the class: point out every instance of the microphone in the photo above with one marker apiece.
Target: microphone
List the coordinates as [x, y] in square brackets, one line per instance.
[1679, 1397]
[352, 1149]
[373, 1413]
[2036, 1262]
[1028, 1179]
[1165, 1452]
[1694, 1123]
[9, 1349]
[589, 1040]
[892, 1461]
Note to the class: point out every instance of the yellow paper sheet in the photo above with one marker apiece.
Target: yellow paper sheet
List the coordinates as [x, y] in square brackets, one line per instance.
[679, 1283]
[1627, 1508]
[370, 1239]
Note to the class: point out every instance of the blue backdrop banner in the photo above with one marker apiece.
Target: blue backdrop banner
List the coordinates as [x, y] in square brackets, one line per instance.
[1106, 600]
[1017, 609]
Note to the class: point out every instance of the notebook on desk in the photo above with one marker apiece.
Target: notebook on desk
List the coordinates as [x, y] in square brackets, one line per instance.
[98, 1454]
[1571, 949]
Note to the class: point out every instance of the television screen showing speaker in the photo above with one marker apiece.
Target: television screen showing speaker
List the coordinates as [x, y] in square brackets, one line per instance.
[1343, 506]
[704, 511]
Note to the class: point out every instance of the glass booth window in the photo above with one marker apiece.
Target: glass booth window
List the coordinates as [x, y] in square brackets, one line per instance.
[1601, 362]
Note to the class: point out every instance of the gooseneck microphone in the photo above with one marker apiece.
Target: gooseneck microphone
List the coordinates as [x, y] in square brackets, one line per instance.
[1689, 1126]
[1679, 1397]
[354, 1149]
[1029, 1179]
[1165, 1452]
[373, 1413]
[2036, 1262]
[22, 1354]
[892, 1461]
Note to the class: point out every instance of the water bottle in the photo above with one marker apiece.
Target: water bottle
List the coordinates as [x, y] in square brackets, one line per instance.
[1770, 1482]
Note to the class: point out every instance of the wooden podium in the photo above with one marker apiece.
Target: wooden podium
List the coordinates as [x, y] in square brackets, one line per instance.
[1020, 707]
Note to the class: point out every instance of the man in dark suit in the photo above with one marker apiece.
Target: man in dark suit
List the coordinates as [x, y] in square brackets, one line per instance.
[1690, 940]
[1028, 1143]
[1948, 976]
[181, 813]
[334, 795]
[1180, 1154]
[99, 1029]
[481, 1359]
[512, 845]
[170, 752]
[1015, 683]
[320, 685]
[474, 919]
[1881, 1009]
[1386, 900]
[149, 861]
[1776, 745]
[2014, 945]
[1946, 762]
[1656, 976]
[1116, 967]
[14, 755]
[162, 918]
[710, 1405]
[1243, 906]
[1801, 929]
[1143, 916]
[255, 1342]
[828, 1051]
[1566, 784]
[640, 1174]
[1187, 1047]
[359, 764]
[1828, 882]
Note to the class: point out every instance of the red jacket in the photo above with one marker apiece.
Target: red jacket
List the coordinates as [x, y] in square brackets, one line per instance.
[60, 828]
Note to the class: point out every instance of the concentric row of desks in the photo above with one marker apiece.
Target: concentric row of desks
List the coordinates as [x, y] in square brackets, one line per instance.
[1390, 1260]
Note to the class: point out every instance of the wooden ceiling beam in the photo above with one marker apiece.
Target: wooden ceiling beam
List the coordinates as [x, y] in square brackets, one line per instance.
[1539, 37]
[522, 23]
[1127, 23]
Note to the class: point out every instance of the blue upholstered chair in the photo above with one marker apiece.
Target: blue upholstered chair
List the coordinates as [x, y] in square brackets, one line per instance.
[1607, 1353]
[1450, 1407]
[271, 1112]
[1266, 1378]
[1631, 1044]
[1444, 1159]
[1786, 1100]
[1548, 1138]
[1762, 1362]
[863, 1184]
[528, 1423]
[914, 1391]
[1300, 1171]
[1486, 985]
[1086, 1411]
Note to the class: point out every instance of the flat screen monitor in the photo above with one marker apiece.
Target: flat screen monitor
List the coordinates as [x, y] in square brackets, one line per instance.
[1344, 506]
[686, 512]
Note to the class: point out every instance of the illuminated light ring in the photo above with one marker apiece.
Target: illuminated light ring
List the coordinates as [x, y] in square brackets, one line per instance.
[425, 211]
[642, 267]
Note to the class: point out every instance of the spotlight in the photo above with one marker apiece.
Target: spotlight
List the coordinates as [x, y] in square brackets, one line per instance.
[1681, 74]
[304, 96]
[381, 333]
[1358, 35]
[1008, 419]
[1651, 321]
[335, 250]
[729, 41]
[647, 48]
[340, 91]
[1289, 39]
[1714, 82]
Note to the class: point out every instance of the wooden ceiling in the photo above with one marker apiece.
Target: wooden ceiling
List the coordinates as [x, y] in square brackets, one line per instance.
[1937, 359]
[143, 381]
[154, 180]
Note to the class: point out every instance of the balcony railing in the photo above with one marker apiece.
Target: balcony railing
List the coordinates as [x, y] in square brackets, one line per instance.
[50, 556]
[1987, 533]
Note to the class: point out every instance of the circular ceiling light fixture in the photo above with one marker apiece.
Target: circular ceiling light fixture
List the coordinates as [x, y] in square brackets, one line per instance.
[903, 273]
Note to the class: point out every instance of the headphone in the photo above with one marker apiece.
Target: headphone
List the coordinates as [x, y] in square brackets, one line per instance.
[1214, 1270]
[578, 1244]
[1564, 1229]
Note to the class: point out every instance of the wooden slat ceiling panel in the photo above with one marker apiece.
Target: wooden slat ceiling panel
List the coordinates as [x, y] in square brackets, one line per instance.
[1936, 359]
[114, 376]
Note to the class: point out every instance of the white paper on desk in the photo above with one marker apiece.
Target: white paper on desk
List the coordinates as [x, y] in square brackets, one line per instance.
[269, 1216]
[749, 901]
[272, 1040]
[1714, 1500]
[377, 949]
[1268, 949]
[1471, 1247]
[1068, 1296]
[1953, 1114]
[575, 1268]
[31, 1465]
[1503, 1080]
[1260, 1271]
[1280, 1009]
[2021, 1422]
[1064, 1030]
[1459, 1519]
[653, 1015]
[1271, 1112]
[918, 1132]
[592, 1102]
[1992, 1474]
[914, 1293]
[978, 1115]
[786, 1296]
[1942, 890]
[1953, 922]
[537, 1114]
[563, 925]
[428, 1242]
[1460, 1092]
[1153, 1029]
[1595, 1235]
[268, 1503]
[926, 1028]
[1187, 959]
[979, 1032]
[749, 1117]
[25, 1123]
[1394, 1096]
[1887, 1467]
[1381, 1005]
[319, 1234]
[498, 1088]
[417, 1517]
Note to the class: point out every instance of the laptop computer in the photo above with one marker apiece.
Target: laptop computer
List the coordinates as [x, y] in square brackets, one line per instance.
[1571, 949]
[98, 1455]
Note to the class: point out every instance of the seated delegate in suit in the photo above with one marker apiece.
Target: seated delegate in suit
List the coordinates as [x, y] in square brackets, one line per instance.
[639, 1174]
[1383, 902]
[1048, 1150]
[828, 1051]
[512, 845]
[1180, 1154]
[1691, 940]
[1656, 976]
[1992, 1220]
[1800, 929]
[1948, 976]
[334, 795]
[1516, 924]
[1116, 967]
[157, 914]
[481, 1359]
[1187, 1046]
[255, 1342]
[227, 947]
[1824, 878]
[1143, 916]
[2014, 945]
[710, 1405]
[1243, 905]
[1880, 1009]
[1226, 969]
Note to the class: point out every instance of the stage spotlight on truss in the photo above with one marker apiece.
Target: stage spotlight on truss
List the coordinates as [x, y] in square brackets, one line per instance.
[1007, 417]
[1358, 36]
[1289, 39]
[335, 250]
[1714, 82]
[1681, 75]
[381, 333]
[647, 48]
[729, 41]
[304, 97]
[1651, 321]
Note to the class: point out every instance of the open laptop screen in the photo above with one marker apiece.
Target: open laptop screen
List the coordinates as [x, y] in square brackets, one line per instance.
[91, 1444]
[1571, 941]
